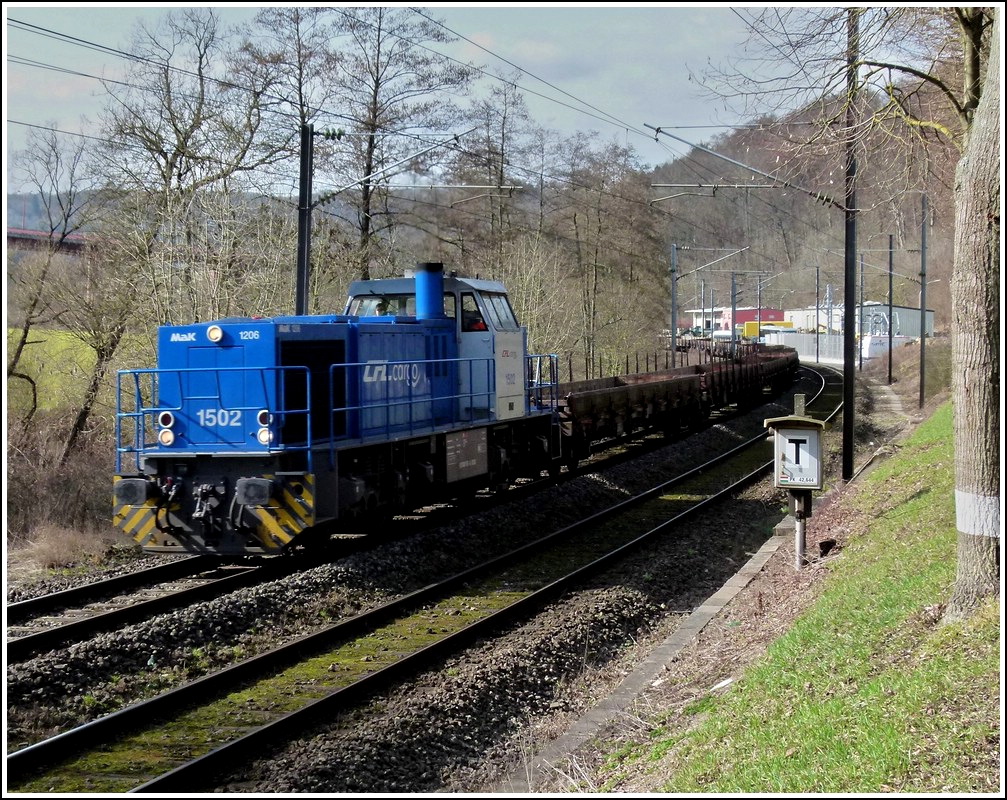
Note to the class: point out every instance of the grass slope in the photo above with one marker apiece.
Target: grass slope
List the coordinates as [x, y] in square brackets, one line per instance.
[867, 692]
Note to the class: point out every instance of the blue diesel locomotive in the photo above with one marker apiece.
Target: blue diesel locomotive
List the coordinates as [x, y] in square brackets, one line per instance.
[251, 433]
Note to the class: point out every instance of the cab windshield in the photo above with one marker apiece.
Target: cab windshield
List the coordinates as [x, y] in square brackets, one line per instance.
[380, 305]
[396, 305]
[500, 312]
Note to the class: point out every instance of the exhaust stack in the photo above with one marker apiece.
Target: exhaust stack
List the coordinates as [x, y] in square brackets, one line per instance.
[429, 290]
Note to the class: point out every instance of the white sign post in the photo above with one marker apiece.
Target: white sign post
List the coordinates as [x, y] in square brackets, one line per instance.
[797, 466]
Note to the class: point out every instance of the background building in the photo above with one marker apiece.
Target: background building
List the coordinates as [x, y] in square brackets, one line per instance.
[719, 318]
[874, 315]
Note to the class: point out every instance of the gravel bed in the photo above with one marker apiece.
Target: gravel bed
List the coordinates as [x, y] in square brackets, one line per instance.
[469, 724]
[443, 731]
[71, 685]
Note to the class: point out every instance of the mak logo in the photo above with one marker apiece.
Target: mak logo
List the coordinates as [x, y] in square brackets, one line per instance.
[183, 337]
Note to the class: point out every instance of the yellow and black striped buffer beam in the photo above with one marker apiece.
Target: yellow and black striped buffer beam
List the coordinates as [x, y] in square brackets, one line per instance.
[290, 510]
[138, 519]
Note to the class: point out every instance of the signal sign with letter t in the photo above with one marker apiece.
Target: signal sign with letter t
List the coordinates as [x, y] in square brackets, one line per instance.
[797, 461]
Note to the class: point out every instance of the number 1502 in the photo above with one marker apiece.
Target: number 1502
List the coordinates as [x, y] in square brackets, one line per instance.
[218, 417]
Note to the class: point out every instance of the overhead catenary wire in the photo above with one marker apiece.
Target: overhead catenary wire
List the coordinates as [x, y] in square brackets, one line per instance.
[820, 196]
[510, 166]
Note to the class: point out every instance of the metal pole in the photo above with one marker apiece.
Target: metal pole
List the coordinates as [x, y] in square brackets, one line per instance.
[304, 222]
[713, 307]
[850, 254]
[891, 320]
[702, 308]
[828, 310]
[818, 333]
[860, 316]
[799, 539]
[734, 314]
[923, 303]
[674, 301]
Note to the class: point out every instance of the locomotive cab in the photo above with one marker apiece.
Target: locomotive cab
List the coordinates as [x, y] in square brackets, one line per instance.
[489, 329]
[491, 345]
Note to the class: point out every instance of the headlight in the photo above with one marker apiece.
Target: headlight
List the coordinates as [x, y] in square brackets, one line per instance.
[214, 333]
[265, 436]
[166, 437]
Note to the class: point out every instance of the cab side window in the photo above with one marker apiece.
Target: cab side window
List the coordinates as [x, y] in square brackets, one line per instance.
[382, 305]
[472, 318]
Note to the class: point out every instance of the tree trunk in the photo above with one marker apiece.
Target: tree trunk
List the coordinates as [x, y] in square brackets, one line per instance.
[975, 343]
[104, 355]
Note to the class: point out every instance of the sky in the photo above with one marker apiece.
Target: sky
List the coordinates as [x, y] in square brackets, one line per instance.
[613, 69]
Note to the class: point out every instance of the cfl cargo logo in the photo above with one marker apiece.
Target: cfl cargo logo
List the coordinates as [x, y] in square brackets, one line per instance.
[183, 337]
[383, 372]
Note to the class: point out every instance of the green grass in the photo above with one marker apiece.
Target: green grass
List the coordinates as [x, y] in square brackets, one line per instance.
[866, 692]
[57, 362]
[61, 365]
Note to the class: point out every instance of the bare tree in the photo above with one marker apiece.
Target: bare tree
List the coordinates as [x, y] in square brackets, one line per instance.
[394, 88]
[536, 275]
[186, 141]
[619, 261]
[55, 171]
[97, 315]
[903, 83]
[489, 158]
[479, 215]
[295, 43]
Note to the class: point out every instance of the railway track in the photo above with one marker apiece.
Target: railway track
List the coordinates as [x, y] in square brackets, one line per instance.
[59, 619]
[92, 616]
[25, 610]
[321, 674]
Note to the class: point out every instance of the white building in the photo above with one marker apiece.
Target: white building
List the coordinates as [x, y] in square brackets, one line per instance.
[873, 316]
